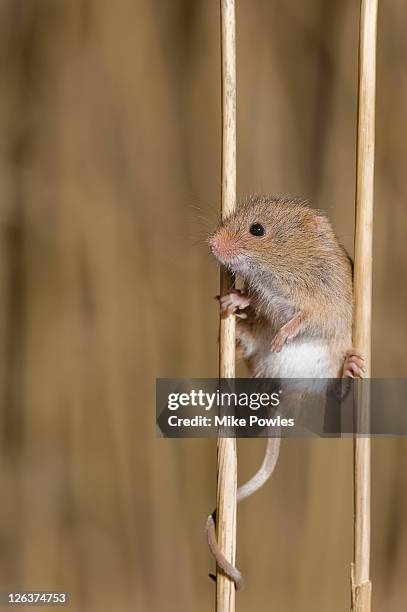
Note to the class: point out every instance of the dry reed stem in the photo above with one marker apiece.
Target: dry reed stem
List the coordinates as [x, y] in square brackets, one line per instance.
[361, 585]
[226, 457]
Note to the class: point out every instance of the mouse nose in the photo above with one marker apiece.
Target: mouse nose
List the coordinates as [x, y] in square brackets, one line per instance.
[217, 245]
[213, 244]
[223, 247]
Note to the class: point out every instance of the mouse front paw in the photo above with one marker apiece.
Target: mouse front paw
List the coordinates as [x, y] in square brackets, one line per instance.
[234, 303]
[354, 365]
[280, 339]
[287, 333]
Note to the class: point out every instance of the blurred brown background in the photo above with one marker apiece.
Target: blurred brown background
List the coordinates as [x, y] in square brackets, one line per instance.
[109, 181]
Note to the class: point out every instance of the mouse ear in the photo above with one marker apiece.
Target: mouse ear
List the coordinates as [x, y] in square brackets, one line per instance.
[320, 222]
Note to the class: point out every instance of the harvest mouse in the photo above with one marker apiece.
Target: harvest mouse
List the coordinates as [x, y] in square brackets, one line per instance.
[294, 317]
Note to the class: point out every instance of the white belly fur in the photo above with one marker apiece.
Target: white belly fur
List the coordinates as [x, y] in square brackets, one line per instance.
[301, 359]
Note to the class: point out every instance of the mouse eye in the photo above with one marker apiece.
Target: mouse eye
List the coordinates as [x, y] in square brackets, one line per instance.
[257, 229]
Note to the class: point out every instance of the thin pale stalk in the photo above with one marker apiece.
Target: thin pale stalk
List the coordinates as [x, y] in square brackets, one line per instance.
[361, 585]
[226, 458]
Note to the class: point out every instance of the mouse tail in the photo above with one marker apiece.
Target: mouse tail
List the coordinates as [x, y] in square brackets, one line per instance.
[248, 488]
[226, 566]
[265, 471]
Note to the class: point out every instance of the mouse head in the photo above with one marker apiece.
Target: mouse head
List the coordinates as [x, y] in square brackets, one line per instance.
[271, 236]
